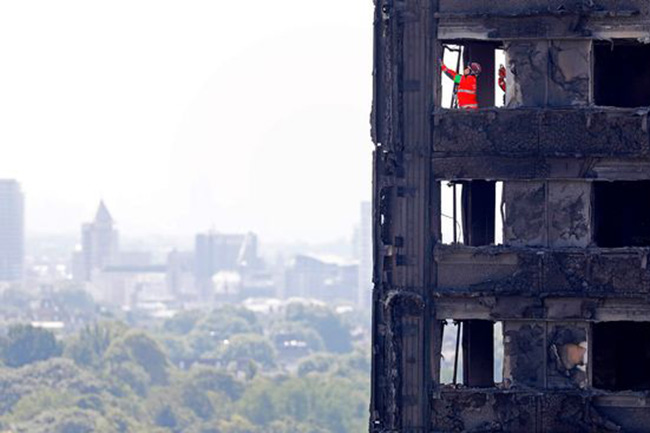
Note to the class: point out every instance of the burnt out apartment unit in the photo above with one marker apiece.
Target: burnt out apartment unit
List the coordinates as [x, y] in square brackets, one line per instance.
[511, 243]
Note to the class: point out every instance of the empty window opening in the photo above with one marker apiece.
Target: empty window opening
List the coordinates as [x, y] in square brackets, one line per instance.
[621, 356]
[452, 58]
[450, 212]
[499, 213]
[500, 85]
[479, 201]
[451, 361]
[622, 214]
[472, 354]
[479, 91]
[498, 352]
[471, 212]
[478, 353]
[621, 76]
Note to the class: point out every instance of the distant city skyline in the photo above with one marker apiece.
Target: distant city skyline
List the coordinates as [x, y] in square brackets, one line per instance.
[179, 124]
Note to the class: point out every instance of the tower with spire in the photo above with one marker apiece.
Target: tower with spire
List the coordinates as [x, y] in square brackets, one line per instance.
[99, 243]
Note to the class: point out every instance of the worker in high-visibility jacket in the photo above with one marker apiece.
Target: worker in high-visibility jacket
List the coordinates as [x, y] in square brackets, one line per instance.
[465, 84]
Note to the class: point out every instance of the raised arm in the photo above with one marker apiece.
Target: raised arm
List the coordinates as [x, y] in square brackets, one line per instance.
[450, 73]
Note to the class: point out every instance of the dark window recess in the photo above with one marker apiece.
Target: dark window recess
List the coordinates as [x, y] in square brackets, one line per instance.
[478, 198]
[622, 214]
[621, 77]
[621, 356]
[483, 53]
[478, 353]
[470, 355]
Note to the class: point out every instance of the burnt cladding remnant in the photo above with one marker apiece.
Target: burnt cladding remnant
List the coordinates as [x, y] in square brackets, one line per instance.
[511, 244]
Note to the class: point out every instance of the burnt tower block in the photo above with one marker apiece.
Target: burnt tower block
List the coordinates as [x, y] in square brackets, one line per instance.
[512, 243]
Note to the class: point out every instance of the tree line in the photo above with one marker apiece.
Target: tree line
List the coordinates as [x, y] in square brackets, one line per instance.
[224, 371]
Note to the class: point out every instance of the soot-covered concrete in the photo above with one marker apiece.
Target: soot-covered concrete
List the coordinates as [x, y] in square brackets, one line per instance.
[556, 255]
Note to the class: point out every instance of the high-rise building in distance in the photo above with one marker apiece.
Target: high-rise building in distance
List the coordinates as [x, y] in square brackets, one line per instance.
[12, 230]
[99, 244]
[215, 252]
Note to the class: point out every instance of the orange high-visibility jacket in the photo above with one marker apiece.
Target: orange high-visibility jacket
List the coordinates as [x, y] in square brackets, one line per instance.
[466, 88]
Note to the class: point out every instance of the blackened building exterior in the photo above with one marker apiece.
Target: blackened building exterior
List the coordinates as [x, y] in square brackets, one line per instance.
[567, 278]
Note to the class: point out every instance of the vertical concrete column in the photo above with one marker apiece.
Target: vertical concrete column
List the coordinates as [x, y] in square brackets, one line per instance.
[527, 73]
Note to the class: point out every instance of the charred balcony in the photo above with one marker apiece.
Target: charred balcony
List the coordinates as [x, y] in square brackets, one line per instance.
[539, 19]
[518, 8]
[535, 132]
[524, 411]
[502, 270]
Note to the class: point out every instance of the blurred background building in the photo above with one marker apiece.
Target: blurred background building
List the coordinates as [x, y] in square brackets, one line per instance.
[12, 230]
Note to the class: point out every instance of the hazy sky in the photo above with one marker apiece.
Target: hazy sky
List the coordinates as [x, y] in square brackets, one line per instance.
[187, 115]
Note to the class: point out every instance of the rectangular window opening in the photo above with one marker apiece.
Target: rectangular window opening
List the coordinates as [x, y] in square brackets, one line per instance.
[498, 352]
[450, 212]
[458, 56]
[471, 212]
[450, 362]
[621, 76]
[499, 213]
[472, 353]
[621, 355]
[621, 214]
[500, 74]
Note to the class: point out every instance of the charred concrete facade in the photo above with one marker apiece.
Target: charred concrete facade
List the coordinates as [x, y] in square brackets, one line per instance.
[570, 282]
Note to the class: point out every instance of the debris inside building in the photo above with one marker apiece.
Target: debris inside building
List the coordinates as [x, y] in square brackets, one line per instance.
[511, 243]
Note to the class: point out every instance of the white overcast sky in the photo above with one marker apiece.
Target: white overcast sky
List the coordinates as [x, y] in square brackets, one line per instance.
[188, 115]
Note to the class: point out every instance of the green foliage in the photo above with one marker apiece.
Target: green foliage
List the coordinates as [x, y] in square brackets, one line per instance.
[167, 409]
[248, 347]
[182, 323]
[132, 375]
[237, 424]
[32, 404]
[329, 326]
[286, 331]
[141, 349]
[198, 401]
[26, 344]
[117, 380]
[177, 348]
[329, 403]
[219, 325]
[319, 363]
[257, 402]
[74, 299]
[227, 321]
[213, 379]
[89, 347]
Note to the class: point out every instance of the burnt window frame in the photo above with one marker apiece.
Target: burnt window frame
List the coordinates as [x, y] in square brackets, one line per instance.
[597, 89]
[600, 219]
[476, 371]
[620, 352]
[488, 72]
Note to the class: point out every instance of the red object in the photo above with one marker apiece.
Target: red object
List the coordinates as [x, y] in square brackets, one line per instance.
[466, 88]
[502, 77]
